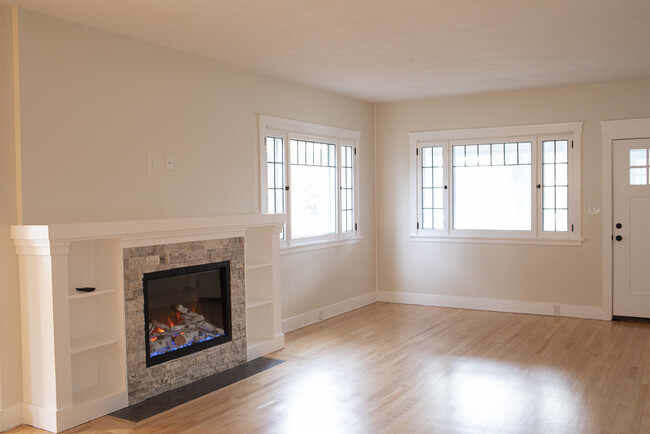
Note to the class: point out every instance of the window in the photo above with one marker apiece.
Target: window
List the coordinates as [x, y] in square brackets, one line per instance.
[309, 172]
[519, 184]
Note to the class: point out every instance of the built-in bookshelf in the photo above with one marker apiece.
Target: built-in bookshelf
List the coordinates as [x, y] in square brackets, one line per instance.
[74, 346]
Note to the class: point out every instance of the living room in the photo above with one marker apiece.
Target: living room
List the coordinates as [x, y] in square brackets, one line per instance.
[83, 110]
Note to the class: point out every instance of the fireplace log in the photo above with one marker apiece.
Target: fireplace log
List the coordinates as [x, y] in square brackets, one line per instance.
[180, 340]
[160, 325]
[165, 333]
[209, 328]
[193, 319]
[188, 316]
[161, 343]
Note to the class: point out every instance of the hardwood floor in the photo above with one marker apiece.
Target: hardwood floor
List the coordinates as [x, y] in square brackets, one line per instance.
[391, 368]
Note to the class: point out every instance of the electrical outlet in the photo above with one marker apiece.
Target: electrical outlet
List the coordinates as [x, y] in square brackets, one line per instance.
[169, 163]
[593, 208]
[556, 309]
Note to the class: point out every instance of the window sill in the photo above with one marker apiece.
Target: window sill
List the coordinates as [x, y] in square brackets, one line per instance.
[317, 245]
[496, 240]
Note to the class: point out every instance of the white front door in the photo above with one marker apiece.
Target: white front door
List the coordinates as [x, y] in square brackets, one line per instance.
[631, 230]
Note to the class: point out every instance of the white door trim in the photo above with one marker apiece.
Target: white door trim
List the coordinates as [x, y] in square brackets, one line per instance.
[614, 130]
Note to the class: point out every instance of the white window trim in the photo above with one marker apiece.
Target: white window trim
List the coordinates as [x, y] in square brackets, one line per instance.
[536, 133]
[289, 129]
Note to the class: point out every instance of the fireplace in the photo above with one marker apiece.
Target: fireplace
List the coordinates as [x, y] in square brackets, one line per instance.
[186, 310]
[149, 376]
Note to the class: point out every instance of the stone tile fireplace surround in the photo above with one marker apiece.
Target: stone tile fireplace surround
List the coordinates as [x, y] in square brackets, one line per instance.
[83, 352]
[146, 382]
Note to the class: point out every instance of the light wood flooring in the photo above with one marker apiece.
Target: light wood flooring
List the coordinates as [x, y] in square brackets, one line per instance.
[391, 368]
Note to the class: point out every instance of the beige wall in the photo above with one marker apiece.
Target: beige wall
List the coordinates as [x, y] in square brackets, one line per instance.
[94, 105]
[10, 361]
[547, 274]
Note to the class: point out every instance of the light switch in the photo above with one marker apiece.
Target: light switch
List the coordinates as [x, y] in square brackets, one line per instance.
[153, 163]
[169, 162]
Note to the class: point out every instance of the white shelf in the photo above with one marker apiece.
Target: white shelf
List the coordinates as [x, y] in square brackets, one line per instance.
[258, 266]
[252, 303]
[91, 342]
[80, 294]
[94, 393]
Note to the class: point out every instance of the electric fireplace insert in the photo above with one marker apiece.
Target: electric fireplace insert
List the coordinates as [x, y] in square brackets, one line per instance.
[186, 310]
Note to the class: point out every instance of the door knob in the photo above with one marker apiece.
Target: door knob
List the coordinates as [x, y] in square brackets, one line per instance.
[619, 238]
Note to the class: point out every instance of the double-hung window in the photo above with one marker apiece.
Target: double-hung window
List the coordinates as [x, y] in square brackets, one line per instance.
[310, 172]
[516, 184]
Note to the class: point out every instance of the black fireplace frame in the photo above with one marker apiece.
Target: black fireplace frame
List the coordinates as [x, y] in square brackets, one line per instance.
[226, 306]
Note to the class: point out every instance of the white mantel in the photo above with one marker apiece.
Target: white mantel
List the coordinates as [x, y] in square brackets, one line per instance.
[70, 379]
[142, 232]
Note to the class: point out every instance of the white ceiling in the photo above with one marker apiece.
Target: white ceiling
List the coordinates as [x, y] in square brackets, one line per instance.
[390, 50]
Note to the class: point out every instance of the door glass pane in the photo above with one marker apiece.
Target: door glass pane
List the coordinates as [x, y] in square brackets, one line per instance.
[638, 157]
[638, 176]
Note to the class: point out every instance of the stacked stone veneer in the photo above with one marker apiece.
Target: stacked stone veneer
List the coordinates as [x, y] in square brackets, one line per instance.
[146, 382]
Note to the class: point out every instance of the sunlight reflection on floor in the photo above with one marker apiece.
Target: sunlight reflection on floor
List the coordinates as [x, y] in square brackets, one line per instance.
[488, 396]
[316, 404]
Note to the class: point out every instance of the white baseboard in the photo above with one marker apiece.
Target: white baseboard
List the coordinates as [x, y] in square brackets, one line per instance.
[11, 417]
[262, 348]
[493, 304]
[314, 316]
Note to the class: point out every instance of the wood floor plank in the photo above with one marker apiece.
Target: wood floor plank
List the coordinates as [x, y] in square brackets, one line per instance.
[391, 368]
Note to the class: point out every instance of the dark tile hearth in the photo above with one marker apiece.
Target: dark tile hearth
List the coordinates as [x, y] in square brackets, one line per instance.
[173, 398]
